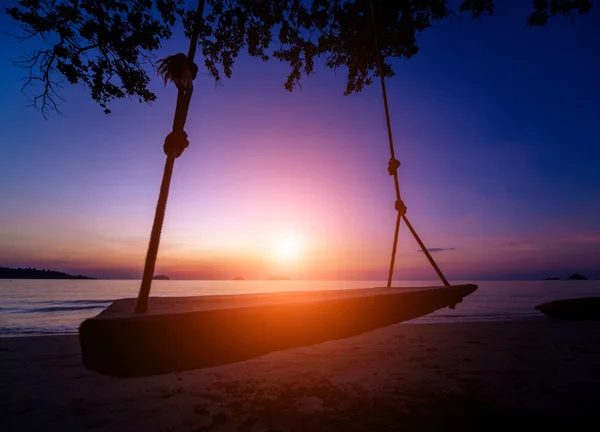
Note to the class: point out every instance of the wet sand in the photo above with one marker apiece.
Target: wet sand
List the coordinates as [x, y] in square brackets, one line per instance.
[463, 376]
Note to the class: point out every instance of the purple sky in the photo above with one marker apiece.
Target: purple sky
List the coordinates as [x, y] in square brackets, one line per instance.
[497, 127]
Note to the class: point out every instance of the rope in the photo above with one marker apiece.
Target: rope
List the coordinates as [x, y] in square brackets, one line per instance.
[393, 166]
[175, 144]
[426, 252]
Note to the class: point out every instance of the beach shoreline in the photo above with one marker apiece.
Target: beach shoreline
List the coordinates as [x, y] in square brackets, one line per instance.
[480, 375]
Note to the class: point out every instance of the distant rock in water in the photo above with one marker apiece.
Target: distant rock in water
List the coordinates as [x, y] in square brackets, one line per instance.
[161, 277]
[33, 273]
[577, 276]
[238, 278]
[552, 278]
[279, 278]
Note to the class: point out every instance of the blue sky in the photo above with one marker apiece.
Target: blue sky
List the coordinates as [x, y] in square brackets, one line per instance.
[497, 127]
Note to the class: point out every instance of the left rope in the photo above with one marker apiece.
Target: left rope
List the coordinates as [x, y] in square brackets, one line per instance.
[182, 71]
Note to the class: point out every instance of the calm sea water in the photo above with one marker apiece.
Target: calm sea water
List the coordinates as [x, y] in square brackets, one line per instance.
[32, 307]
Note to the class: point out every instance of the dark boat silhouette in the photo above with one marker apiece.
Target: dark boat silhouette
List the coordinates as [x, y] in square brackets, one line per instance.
[584, 309]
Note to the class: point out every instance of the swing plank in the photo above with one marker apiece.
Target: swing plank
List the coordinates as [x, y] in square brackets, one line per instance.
[183, 333]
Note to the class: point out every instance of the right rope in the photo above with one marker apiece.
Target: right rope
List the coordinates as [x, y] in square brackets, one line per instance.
[393, 166]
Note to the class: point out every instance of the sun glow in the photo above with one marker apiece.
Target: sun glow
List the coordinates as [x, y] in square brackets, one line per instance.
[287, 246]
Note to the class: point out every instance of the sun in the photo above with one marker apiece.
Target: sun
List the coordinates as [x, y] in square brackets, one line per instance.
[287, 246]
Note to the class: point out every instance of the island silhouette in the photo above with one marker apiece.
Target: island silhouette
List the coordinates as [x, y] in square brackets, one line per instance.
[161, 277]
[574, 276]
[33, 273]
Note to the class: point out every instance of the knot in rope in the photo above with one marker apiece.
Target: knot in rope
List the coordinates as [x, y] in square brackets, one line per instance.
[175, 143]
[393, 166]
[400, 207]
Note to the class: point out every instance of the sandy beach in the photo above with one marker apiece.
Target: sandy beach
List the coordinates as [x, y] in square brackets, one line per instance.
[462, 376]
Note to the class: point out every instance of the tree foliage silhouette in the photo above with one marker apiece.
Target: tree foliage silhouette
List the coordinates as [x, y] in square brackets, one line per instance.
[110, 45]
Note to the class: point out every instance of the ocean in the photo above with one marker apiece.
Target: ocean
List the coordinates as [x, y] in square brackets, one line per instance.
[35, 307]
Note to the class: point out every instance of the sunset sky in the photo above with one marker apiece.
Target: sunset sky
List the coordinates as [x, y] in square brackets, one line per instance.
[497, 127]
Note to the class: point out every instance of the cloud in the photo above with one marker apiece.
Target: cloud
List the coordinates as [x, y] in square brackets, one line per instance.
[521, 245]
[431, 250]
[585, 238]
[515, 243]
